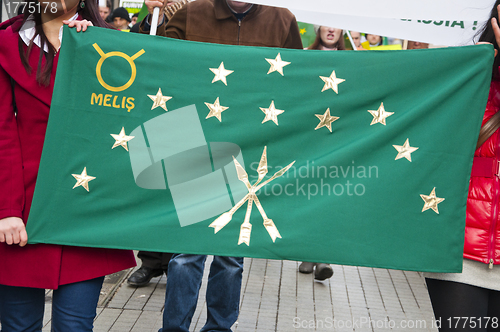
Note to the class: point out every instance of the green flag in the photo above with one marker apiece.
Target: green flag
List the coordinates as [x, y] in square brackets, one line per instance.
[356, 158]
[142, 13]
[307, 33]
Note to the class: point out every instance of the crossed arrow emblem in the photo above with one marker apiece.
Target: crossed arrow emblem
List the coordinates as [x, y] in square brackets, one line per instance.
[251, 197]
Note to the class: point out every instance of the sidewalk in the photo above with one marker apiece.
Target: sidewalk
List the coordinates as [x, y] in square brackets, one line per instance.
[275, 297]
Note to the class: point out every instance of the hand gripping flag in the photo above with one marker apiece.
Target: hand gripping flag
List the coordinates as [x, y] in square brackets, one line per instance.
[356, 158]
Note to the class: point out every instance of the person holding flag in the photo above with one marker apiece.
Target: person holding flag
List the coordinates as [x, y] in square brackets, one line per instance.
[153, 264]
[470, 301]
[222, 22]
[28, 62]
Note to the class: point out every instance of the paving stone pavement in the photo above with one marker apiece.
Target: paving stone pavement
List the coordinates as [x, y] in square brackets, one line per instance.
[276, 297]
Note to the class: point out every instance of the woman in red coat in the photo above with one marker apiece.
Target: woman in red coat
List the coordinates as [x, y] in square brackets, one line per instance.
[29, 47]
[470, 301]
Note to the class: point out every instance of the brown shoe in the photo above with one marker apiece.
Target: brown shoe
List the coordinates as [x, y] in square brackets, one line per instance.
[323, 271]
[306, 267]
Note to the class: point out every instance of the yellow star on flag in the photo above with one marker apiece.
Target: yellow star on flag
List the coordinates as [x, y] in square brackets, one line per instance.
[271, 113]
[326, 120]
[277, 65]
[303, 31]
[121, 139]
[431, 201]
[332, 82]
[83, 179]
[405, 151]
[159, 100]
[380, 115]
[221, 73]
[215, 110]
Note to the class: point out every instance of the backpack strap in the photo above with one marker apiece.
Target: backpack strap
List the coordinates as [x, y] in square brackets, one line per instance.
[488, 129]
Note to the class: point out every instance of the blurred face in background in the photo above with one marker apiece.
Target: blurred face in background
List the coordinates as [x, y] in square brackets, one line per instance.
[373, 39]
[414, 45]
[356, 37]
[104, 12]
[120, 23]
[329, 36]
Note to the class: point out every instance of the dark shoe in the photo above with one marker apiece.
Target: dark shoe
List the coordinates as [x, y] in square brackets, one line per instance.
[306, 267]
[323, 271]
[143, 276]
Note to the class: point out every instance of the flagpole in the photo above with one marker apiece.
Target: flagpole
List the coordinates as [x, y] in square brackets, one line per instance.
[154, 21]
[352, 41]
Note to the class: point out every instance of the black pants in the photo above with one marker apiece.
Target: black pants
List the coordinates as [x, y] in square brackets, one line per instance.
[155, 260]
[462, 307]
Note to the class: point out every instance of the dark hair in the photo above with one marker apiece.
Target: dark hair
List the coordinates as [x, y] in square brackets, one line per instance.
[121, 12]
[381, 38]
[486, 34]
[90, 12]
[317, 42]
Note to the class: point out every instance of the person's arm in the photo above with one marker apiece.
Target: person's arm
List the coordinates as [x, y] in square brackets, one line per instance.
[293, 39]
[176, 27]
[145, 26]
[12, 229]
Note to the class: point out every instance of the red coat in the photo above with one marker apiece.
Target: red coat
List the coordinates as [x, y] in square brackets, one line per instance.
[21, 142]
[482, 231]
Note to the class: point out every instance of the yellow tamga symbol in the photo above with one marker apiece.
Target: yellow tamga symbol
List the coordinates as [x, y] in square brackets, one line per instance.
[130, 60]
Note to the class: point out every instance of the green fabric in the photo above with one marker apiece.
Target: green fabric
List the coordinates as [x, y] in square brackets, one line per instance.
[142, 13]
[372, 214]
[307, 33]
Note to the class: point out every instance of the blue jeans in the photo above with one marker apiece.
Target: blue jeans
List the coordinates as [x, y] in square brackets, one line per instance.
[73, 307]
[185, 273]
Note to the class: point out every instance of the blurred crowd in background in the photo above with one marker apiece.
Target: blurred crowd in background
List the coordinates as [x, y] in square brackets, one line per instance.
[128, 19]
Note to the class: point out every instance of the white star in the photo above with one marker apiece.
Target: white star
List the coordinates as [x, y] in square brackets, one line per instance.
[405, 151]
[431, 201]
[380, 115]
[221, 73]
[83, 179]
[271, 113]
[326, 120]
[332, 82]
[121, 139]
[277, 65]
[216, 110]
[159, 100]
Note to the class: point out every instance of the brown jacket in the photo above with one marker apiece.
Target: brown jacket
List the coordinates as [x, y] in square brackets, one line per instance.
[212, 21]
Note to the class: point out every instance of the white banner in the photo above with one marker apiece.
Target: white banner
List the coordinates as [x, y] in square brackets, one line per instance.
[446, 22]
[467, 10]
[449, 33]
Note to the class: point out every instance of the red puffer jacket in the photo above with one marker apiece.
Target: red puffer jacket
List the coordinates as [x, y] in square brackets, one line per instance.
[482, 231]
